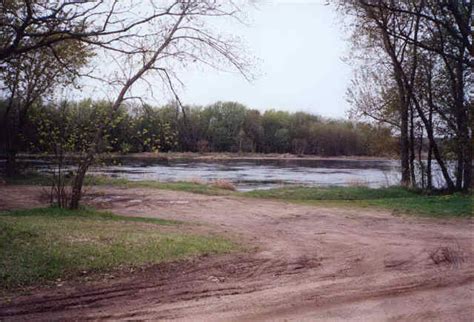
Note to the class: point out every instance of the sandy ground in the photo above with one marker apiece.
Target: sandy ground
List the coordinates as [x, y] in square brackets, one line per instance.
[305, 263]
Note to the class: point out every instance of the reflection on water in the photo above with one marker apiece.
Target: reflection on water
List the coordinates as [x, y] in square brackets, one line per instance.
[256, 174]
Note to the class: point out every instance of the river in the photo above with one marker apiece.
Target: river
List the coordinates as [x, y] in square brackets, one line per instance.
[254, 174]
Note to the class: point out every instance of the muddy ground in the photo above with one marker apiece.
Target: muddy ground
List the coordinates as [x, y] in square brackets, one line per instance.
[303, 263]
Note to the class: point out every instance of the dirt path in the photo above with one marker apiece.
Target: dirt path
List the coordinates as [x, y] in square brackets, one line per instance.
[310, 263]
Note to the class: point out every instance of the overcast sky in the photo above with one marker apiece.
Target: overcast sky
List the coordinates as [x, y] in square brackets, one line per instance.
[299, 45]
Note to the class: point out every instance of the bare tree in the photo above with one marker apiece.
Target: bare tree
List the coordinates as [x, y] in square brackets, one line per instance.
[178, 35]
[29, 25]
[141, 39]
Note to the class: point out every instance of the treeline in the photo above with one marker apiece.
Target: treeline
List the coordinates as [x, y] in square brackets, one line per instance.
[220, 127]
[417, 81]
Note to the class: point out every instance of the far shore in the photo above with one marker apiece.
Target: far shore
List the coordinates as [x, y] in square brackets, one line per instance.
[222, 156]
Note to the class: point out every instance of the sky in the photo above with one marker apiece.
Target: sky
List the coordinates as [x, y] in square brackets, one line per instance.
[299, 46]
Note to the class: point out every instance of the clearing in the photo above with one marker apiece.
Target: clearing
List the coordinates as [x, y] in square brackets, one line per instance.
[306, 262]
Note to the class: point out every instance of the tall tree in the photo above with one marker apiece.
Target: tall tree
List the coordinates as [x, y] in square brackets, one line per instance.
[32, 77]
[177, 34]
[411, 34]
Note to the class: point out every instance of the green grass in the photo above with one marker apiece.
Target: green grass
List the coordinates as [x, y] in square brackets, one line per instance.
[397, 199]
[332, 193]
[42, 245]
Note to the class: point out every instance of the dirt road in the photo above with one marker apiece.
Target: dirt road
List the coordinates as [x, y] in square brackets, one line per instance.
[308, 263]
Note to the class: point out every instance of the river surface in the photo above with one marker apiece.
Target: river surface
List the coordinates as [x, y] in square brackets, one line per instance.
[254, 174]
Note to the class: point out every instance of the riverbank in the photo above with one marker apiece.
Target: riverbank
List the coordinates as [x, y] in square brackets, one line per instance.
[246, 156]
[399, 200]
[219, 156]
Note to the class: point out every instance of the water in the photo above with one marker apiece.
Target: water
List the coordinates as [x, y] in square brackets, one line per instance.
[256, 174]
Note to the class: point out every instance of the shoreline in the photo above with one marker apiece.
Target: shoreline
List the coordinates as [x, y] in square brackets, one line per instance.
[247, 156]
[221, 156]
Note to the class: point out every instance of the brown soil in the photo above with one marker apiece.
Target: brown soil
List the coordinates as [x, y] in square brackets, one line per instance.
[308, 263]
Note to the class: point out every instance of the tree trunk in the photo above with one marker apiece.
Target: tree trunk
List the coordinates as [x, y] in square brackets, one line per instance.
[467, 184]
[429, 174]
[403, 110]
[404, 145]
[420, 161]
[11, 165]
[431, 138]
[76, 193]
[466, 145]
[412, 148]
[459, 165]
[464, 122]
[10, 126]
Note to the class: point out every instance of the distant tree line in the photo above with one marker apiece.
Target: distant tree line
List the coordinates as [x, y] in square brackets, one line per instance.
[220, 127]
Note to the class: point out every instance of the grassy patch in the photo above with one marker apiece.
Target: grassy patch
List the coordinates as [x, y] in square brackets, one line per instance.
[41, 245]
[398, 199]
[87, 213]
[332, 193]
[457, 205]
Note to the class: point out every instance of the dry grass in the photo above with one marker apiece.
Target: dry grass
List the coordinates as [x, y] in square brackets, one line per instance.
[357, 183]
[197, 181]
[218, 183]
[223, 184]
